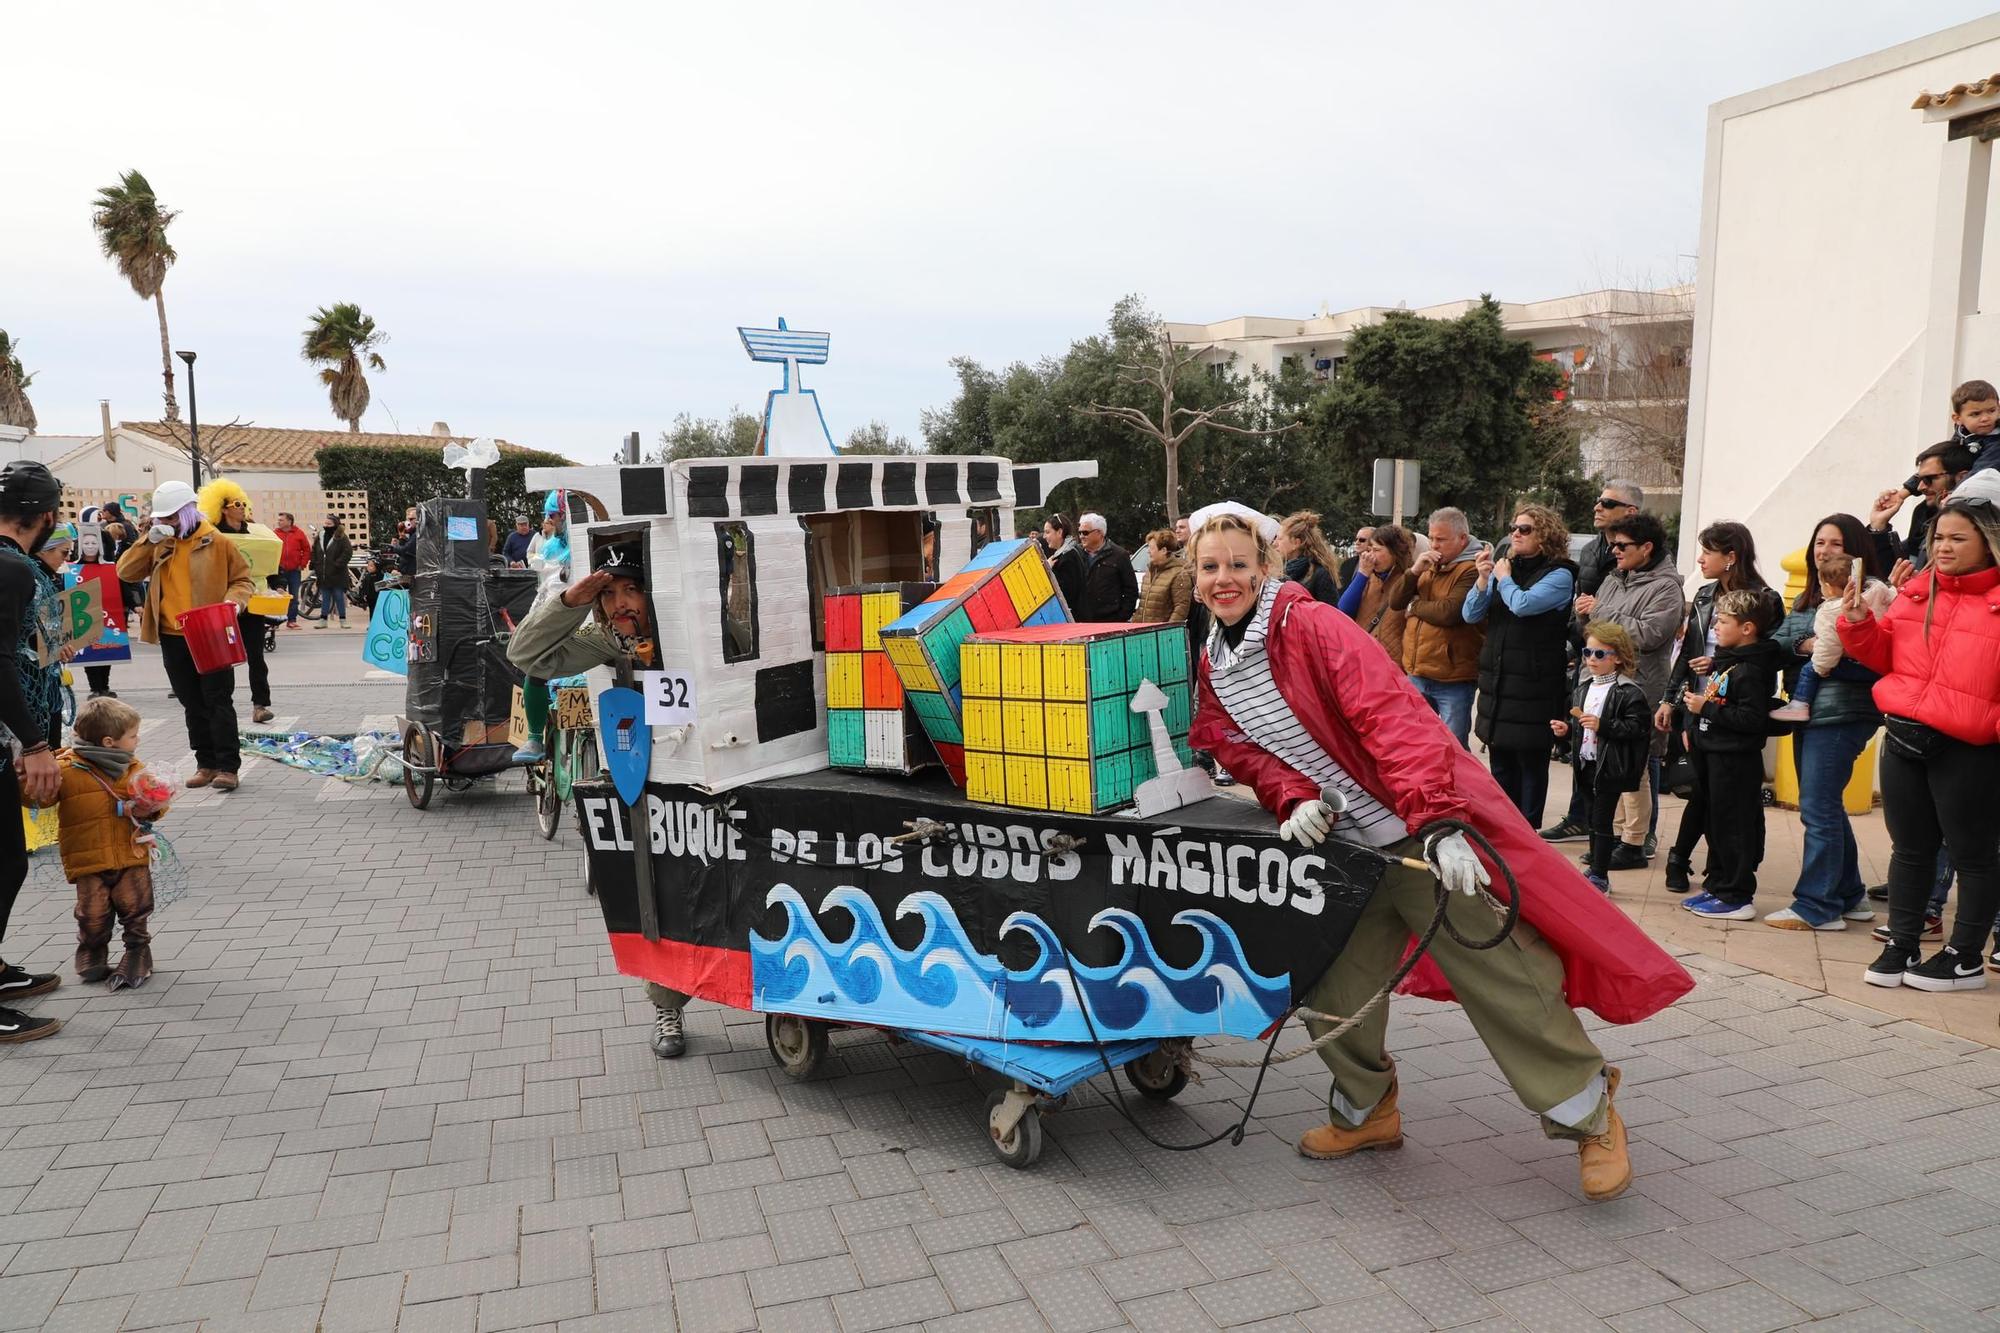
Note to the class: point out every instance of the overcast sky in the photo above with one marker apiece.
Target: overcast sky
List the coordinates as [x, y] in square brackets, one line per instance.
[560, 213]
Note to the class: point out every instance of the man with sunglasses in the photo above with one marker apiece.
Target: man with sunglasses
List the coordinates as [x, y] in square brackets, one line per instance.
[1619, 499]
[1940, 469]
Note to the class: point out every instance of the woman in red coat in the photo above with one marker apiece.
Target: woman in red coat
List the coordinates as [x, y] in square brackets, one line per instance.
[1938, 651]
[1295, 698]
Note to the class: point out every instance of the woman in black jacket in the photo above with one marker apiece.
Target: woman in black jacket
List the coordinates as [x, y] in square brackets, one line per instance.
[1728, 559]
[1308, 559]
[330, 554]
[1524, 600]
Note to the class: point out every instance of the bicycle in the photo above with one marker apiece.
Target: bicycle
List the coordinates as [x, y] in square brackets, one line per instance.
[570, 753]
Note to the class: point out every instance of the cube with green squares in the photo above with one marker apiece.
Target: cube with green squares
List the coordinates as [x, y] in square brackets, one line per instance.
[868, 722]
[1005, 586]
[1047, 713]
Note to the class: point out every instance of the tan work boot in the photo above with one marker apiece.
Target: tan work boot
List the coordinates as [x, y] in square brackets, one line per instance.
[202, 777]
[1381, 1131]
[1604, 1162]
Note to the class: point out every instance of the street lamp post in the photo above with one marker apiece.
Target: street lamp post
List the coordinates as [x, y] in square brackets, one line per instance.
[194, 421]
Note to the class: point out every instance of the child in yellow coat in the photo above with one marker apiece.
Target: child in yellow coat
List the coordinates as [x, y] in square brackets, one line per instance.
[106, 847]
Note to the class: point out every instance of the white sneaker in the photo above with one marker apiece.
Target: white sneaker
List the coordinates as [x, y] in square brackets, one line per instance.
[1861, 913]
[1786, 919]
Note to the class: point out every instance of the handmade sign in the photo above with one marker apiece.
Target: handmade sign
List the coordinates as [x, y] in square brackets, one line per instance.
[82, 621]
[788, 896]
[386, 646]
[1003, 587]
[112, 643]
[669, 698]
[572, 710]
[1049, 723]
[868, 722]
[517, 720]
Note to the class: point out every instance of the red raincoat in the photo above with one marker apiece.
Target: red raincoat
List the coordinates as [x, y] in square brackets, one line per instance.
[1361, 710]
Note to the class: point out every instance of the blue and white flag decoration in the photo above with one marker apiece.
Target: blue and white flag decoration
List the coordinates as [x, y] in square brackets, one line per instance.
[627, 740]
[794, 427]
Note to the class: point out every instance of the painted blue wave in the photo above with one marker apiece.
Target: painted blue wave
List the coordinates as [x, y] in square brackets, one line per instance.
[945, 985]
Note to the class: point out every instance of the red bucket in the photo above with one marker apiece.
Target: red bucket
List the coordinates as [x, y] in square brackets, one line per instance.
[212, 637]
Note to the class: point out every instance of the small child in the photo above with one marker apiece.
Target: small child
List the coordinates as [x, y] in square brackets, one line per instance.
[1975, 422]
[1613, 727]
[1826, 653]
[106, 808]
[1732, 722]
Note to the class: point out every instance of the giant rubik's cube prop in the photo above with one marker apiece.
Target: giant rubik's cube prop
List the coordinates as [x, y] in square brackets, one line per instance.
[1048, 713]
[867, 723]
[1005, 586]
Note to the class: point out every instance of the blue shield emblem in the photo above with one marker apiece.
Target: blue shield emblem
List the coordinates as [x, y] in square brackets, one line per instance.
[627, 740]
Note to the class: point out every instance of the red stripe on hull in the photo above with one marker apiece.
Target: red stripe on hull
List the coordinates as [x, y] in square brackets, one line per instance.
[721, 975]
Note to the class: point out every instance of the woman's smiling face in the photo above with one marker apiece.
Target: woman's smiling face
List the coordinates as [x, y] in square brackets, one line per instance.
[1228, 574]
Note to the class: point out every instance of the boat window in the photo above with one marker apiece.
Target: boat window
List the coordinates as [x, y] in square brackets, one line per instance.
[861, 546]
[736, 553]
[985, 527]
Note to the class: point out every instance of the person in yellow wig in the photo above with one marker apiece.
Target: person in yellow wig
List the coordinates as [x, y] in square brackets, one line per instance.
[191, 565]
[223, 503]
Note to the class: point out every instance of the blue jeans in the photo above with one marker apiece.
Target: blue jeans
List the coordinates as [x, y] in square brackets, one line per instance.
[1451, 701]
[333, 603]
[292, 581]
[1829, 873]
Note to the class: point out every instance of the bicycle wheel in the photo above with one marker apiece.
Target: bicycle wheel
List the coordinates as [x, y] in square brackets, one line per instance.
[548, 803]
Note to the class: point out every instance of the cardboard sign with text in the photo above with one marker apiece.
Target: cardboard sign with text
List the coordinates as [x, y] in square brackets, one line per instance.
[517, 720]
[82, 621]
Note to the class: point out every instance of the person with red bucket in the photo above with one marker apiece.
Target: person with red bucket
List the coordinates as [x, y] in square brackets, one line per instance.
[192, 566]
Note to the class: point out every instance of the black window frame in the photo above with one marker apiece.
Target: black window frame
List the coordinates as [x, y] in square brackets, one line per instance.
[726, 557]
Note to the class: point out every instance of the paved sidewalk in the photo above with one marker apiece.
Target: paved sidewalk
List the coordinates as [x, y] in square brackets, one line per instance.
[387, 1078]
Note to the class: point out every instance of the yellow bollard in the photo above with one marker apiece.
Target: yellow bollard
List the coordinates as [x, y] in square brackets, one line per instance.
[1859, 797]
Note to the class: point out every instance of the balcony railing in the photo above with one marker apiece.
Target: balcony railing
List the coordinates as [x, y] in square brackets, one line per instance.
[1628, 385]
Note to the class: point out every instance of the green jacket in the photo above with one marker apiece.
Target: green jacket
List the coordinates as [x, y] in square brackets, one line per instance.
[557, 640]
[1843, 697]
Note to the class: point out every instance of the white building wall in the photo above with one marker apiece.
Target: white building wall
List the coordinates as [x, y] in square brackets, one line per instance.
[1820, 204]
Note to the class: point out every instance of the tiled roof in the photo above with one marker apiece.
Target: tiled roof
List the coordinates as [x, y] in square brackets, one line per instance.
[1977, 88]
[270, 448]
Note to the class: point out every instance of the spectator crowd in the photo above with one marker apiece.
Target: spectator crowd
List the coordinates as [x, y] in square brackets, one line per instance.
[1591, 654]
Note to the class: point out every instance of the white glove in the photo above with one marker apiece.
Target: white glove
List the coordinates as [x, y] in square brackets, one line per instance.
[159, 532]
[1456, 864]
[1309, 823]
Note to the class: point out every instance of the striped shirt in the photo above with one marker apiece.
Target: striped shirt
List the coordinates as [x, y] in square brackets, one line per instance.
[1241, 678]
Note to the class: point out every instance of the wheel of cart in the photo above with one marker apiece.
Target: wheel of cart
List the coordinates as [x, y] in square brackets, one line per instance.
[1040, 1076]
[419, 765]
[1161, 1074]
[799, 1045]
[427, 761]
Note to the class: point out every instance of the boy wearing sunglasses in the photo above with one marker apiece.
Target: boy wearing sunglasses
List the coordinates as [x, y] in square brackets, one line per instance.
[1613, 727]
[1727, 745]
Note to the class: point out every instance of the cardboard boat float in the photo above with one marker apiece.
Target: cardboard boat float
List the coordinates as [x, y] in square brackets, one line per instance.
[905, 789]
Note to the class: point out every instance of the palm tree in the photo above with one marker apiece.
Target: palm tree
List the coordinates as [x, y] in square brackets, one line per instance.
[15, 409]
[339, 339]
[132, 228]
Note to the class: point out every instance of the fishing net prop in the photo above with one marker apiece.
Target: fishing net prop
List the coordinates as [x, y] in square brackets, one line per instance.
[171, 878]
[365, 756]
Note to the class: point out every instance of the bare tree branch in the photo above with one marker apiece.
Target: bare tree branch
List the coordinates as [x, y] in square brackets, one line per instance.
[1168, 430]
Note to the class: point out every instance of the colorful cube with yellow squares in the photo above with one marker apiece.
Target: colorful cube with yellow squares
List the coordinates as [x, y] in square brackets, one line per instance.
[868, 722]
[1005, 585]
[1048, 713]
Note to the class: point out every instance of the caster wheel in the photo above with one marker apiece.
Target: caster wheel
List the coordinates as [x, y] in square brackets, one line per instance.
[799, 1045]
[1023, 1144]
[1158, 1076]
